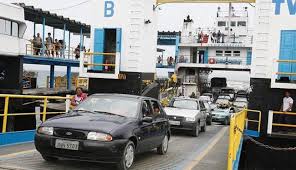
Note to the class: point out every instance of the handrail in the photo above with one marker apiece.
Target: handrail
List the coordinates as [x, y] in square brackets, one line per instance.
[278, 124]
[44, 112]
[97, 53]
[286, 61]
[239, 125]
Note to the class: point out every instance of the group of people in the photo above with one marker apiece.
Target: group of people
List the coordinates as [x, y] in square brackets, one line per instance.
[170, 60]
[217, 37]
[51, 47]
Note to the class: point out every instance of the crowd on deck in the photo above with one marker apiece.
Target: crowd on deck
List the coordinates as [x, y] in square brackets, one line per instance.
[170, 60]
[53, 48]
[215, 37]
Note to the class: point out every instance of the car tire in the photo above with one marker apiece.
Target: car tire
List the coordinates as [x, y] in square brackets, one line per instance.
[163, 148]
[49, 158]
[209, 122]
[204, 128]
[127, 157]
[195, 132]
[226, 121]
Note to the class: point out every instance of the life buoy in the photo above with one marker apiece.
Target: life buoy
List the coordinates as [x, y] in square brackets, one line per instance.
[212, 61]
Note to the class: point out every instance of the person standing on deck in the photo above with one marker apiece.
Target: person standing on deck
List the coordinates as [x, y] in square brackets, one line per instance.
[49, 46]
[79, 97]
[38, 44]
[286, 107]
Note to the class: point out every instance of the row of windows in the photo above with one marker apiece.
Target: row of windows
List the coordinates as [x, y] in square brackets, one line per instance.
[228, 53]
[9, 28]
[232, 23]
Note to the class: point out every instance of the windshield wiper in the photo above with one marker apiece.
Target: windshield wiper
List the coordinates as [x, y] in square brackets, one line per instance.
[88, 111]
[108, 113]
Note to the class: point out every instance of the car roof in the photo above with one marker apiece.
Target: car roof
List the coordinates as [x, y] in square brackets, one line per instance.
[185, 98]
[123, 95]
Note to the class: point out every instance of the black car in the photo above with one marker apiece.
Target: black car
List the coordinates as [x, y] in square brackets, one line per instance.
[109, 128]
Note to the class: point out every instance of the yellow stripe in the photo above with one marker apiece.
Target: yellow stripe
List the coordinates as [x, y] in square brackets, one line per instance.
[207, 150]
[283, 125]
[16, 154]
[284, 113]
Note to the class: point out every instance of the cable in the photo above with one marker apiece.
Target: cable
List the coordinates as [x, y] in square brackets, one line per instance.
[69, 7]
[252, 5]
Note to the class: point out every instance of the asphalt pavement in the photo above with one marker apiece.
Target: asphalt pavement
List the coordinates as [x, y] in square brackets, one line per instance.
[208, 151]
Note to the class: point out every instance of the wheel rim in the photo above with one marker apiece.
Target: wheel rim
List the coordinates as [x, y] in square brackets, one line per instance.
[165, 143]
[129, 156]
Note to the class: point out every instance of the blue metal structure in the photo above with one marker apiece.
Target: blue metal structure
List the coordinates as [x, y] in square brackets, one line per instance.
[38, 16]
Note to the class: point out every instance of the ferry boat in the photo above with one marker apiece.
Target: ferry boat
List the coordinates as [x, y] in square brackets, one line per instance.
[226, 46]
[12, 29]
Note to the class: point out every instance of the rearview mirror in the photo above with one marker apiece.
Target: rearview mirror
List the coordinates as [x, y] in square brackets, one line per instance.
[147, 119]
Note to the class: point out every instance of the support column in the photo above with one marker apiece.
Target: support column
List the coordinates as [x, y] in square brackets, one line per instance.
[53, 34]
[34, 29]
[81, 39]
[43, 36]
[51, 78]
[69, 78]
[69, 45]
[64, 42]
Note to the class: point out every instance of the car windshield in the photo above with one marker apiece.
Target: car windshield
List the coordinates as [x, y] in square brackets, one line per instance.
[222, 101]
[241, 99]
[224, 97]
[205, 98]
[120, 106]
[185, 104]
[240, 104]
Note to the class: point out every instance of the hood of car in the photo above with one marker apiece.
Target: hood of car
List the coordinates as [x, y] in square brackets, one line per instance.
[89, 122]
[171, 111]
[221, 112]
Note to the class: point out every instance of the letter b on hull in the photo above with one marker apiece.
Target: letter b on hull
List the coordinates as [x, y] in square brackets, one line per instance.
[109, 9]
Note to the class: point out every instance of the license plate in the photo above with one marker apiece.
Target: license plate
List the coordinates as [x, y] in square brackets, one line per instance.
[172, 122]
[65, 144]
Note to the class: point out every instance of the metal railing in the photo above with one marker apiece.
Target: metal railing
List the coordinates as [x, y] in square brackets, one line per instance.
[286, 73]
[45, 99]
[68, 53]
[239, 125]
[223, 41]
[281, 123]
[231, 60]
[108, 64]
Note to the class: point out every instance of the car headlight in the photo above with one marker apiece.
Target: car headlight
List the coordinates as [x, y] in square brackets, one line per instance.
[45, 130]
[99, 136]
[190, 119]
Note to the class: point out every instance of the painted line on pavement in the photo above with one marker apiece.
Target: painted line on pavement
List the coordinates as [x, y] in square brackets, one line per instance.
[17, 153]
[195, 161]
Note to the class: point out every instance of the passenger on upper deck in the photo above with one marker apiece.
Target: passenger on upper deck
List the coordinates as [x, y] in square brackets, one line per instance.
[77, 52]
[79, 97]
[57, 47]
[49, 45]
[38, 44]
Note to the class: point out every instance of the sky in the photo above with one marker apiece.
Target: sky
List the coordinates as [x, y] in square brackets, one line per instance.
[170, 16]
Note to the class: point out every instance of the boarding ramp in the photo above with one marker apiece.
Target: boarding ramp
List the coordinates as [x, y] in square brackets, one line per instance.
[42, 111]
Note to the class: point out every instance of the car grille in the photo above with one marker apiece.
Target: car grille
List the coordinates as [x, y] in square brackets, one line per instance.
[70, 133]
[176, 118]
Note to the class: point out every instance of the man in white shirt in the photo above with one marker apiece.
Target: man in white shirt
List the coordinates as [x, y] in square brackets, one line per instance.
[287, 103]
[287, 107]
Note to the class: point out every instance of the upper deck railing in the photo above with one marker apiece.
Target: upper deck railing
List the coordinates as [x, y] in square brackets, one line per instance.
[224, 40]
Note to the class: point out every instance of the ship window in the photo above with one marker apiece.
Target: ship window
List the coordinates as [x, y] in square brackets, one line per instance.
[228, 53]
[15, 29]
[219, 53]
[233, 23]
[241, 23]
[2, 26]
[236, 53]
[221, 24]
[7, 27]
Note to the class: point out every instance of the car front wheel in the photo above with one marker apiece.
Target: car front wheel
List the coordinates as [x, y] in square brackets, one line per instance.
[163, 148]
[195, 131]
[49, 158]
[128, 157]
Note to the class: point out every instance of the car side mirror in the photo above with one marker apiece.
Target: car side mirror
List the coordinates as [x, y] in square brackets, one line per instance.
[147, 119]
